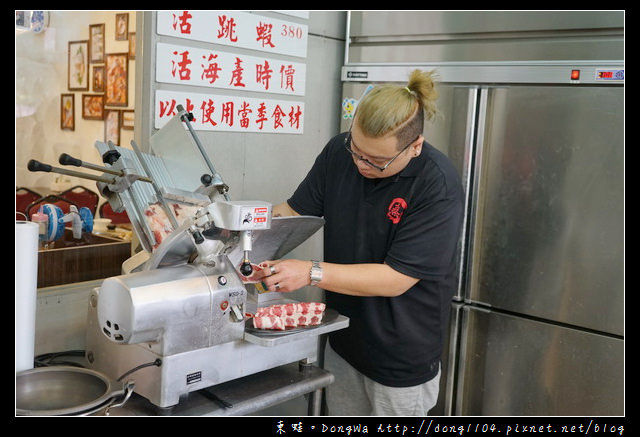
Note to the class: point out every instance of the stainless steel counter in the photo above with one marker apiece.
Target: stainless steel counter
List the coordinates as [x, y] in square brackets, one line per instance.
[243, 396]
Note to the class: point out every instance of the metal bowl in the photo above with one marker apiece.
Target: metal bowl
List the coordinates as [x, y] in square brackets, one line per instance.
[66, 391]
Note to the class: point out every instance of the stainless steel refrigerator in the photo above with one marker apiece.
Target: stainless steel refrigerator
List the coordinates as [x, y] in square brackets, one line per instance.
[537, 323]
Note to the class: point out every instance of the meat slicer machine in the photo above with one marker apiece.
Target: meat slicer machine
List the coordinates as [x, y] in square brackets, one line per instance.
[177, 316]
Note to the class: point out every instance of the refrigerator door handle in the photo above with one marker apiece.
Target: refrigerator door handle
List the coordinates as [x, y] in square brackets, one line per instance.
[477, 116]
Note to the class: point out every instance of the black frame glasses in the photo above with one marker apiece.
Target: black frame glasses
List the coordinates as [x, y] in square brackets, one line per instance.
[347, 145]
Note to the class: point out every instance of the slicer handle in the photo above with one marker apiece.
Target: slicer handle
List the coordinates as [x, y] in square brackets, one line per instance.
[66, 159]
[34, 165]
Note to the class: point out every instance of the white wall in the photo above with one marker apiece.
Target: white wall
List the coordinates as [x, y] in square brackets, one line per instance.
[41, 76]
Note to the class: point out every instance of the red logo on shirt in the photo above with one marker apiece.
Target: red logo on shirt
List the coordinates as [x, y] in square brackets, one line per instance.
[397, 207]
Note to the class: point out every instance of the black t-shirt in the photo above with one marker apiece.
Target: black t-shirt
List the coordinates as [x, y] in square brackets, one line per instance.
[410, 221]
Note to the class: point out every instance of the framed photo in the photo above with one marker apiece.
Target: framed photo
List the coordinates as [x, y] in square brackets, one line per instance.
[78, 66]
[67, 112]
[93, 106]
[117, 75]
[122, 27]
[112, 126]
[98, 79]
[132, 45]
[127, 120]
[96, 43]
[22, 20]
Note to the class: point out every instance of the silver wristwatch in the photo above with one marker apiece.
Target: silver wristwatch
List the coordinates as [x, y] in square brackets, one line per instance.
[315, 273]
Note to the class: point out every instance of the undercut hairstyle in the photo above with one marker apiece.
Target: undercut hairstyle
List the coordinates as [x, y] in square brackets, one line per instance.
[400, 110]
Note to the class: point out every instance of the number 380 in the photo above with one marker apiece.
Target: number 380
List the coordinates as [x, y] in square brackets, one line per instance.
[291, 31]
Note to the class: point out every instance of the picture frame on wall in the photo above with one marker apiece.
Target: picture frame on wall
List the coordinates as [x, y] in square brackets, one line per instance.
[96, 43]
[132, 45]
[98, 79]
[22, 20]
[93, 106]
[67, 112]
[127, 120]
[117, 75]
[122, 27]
[112, 126]
[78, 66]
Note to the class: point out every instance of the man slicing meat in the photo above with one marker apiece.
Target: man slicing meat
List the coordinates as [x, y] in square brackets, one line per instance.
[393, 209]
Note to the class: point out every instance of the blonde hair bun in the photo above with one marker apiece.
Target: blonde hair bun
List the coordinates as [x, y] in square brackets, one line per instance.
[422, 84]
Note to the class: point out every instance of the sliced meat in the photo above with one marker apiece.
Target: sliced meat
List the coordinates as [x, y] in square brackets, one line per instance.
[159, 222]
[269, 322]
[290, 315]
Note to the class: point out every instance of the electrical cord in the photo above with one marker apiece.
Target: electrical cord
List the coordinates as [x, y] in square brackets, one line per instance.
[156, 362]
[51, 359]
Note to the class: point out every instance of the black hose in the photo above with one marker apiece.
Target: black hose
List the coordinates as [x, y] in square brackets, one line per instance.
[51, 359]
[156, 362]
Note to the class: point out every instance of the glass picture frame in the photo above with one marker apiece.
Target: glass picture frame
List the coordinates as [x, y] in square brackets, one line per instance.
[96, 43]
[93, 106]
[78, 66]
[117, 78]
[67, 112]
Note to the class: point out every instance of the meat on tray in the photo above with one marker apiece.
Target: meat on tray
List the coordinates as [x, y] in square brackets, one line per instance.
[289, 315]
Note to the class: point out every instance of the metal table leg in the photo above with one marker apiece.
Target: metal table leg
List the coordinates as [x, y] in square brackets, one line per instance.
[315, 403]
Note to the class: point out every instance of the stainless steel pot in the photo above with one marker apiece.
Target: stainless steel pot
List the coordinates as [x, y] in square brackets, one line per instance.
[68, 391]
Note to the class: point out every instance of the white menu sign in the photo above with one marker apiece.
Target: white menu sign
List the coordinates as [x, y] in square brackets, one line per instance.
[215, 112]
[236, 29]
[214, 68]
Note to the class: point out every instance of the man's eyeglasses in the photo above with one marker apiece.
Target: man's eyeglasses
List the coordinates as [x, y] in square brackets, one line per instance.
[347, 145]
